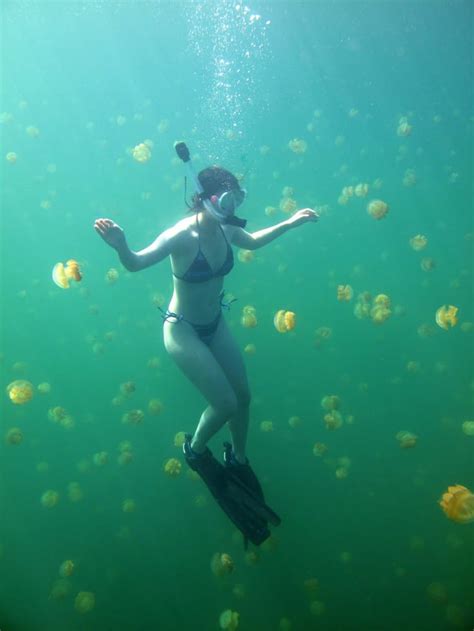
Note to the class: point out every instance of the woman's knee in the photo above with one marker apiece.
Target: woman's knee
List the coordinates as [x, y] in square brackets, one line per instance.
[227, 404]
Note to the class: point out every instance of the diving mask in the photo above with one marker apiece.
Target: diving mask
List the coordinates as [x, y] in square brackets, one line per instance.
[229, 200]
[221, 207]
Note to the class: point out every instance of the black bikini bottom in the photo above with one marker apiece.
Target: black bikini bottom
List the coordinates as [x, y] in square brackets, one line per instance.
[205, 332]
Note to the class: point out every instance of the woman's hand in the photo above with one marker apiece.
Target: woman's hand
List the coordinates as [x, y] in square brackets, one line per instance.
[110, 232]
[302, 216]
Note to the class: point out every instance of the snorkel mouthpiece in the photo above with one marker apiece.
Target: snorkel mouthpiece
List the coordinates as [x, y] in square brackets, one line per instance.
[209, 203]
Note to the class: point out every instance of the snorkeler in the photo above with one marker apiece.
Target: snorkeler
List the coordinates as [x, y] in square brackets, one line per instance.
[197, 337]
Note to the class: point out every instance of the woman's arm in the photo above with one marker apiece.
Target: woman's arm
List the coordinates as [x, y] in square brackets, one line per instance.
[253, 240]
[114, 236]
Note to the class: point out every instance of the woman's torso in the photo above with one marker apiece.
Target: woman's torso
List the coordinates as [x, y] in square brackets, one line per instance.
[199, 265]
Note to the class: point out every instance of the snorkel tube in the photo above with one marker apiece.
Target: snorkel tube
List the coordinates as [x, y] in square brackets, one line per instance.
[183, 154]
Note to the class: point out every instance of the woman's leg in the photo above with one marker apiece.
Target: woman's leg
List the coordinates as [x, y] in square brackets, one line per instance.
[227, 353]
[200, 366]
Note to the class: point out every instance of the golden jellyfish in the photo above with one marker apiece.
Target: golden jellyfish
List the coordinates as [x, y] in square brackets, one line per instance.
[56, 414]
[74, 492]
[14, 436]
[251, 556]
[249, 317]
[60, 589]
[320, 449]
[100, 459]
[250, 349]
[361, 190]
[229, 620]
[333, 420]
[413, 367]
[179, 439]
[288, 205]
[172, 467]
[133, 417]
[418, 242]
[297, 145]
[112, 276]
[344, 293]
[377, 209]
[163, 125]
[382, 300]
[127, 388]
[44, 387]
[341, 473]
[66, 568]
[62, 274]
[141, 153]
[128, 506]
[425, 330]
[458, 504]
[266, 426]
[294, 422]
[125, 458]
[20, 391]
[245, 256]
[84, 602]
[406, 439]
[50, 498]
[437, 592]
[270, 211]
[32, 131]
[72, 270]
[323, 333]
[427, 264]
[284, 321]
[446, 316]
[120, 120]
[222, 564]
[404, 128]
[330, 402]
[153, 362]
[379, 314]
[468, 428]
[155, 407]
[11, 157]
[409, 178]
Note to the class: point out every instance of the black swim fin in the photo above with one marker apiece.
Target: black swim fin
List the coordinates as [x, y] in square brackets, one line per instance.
[244, 476]
[238, 502]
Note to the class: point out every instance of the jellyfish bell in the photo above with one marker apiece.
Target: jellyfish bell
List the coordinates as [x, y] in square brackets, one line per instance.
[344, 293]
[284, 321]
[458, 504]
[446, 316]
[406, 440]
[72, 270]
[20, 391]
[59, 276]
[84, 602]
[377, 209]
[418, 242]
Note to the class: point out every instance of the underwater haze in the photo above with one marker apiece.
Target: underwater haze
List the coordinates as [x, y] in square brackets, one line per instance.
[362, 415]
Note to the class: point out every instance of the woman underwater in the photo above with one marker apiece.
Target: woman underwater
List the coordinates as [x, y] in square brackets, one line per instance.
[198, 339]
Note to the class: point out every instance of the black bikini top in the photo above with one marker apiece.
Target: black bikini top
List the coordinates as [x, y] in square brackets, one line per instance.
[200, 271]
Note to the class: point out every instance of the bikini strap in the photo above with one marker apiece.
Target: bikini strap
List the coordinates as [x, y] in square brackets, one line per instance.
[170, 315]
[225, 304]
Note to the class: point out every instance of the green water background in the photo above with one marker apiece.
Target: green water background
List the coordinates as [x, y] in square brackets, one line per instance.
[230, 83]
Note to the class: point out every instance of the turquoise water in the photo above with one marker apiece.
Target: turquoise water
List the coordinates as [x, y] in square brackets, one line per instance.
[85, 83]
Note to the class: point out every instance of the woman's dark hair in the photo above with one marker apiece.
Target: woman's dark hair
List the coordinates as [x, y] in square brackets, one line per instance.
[212, 180]
[215, 179]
